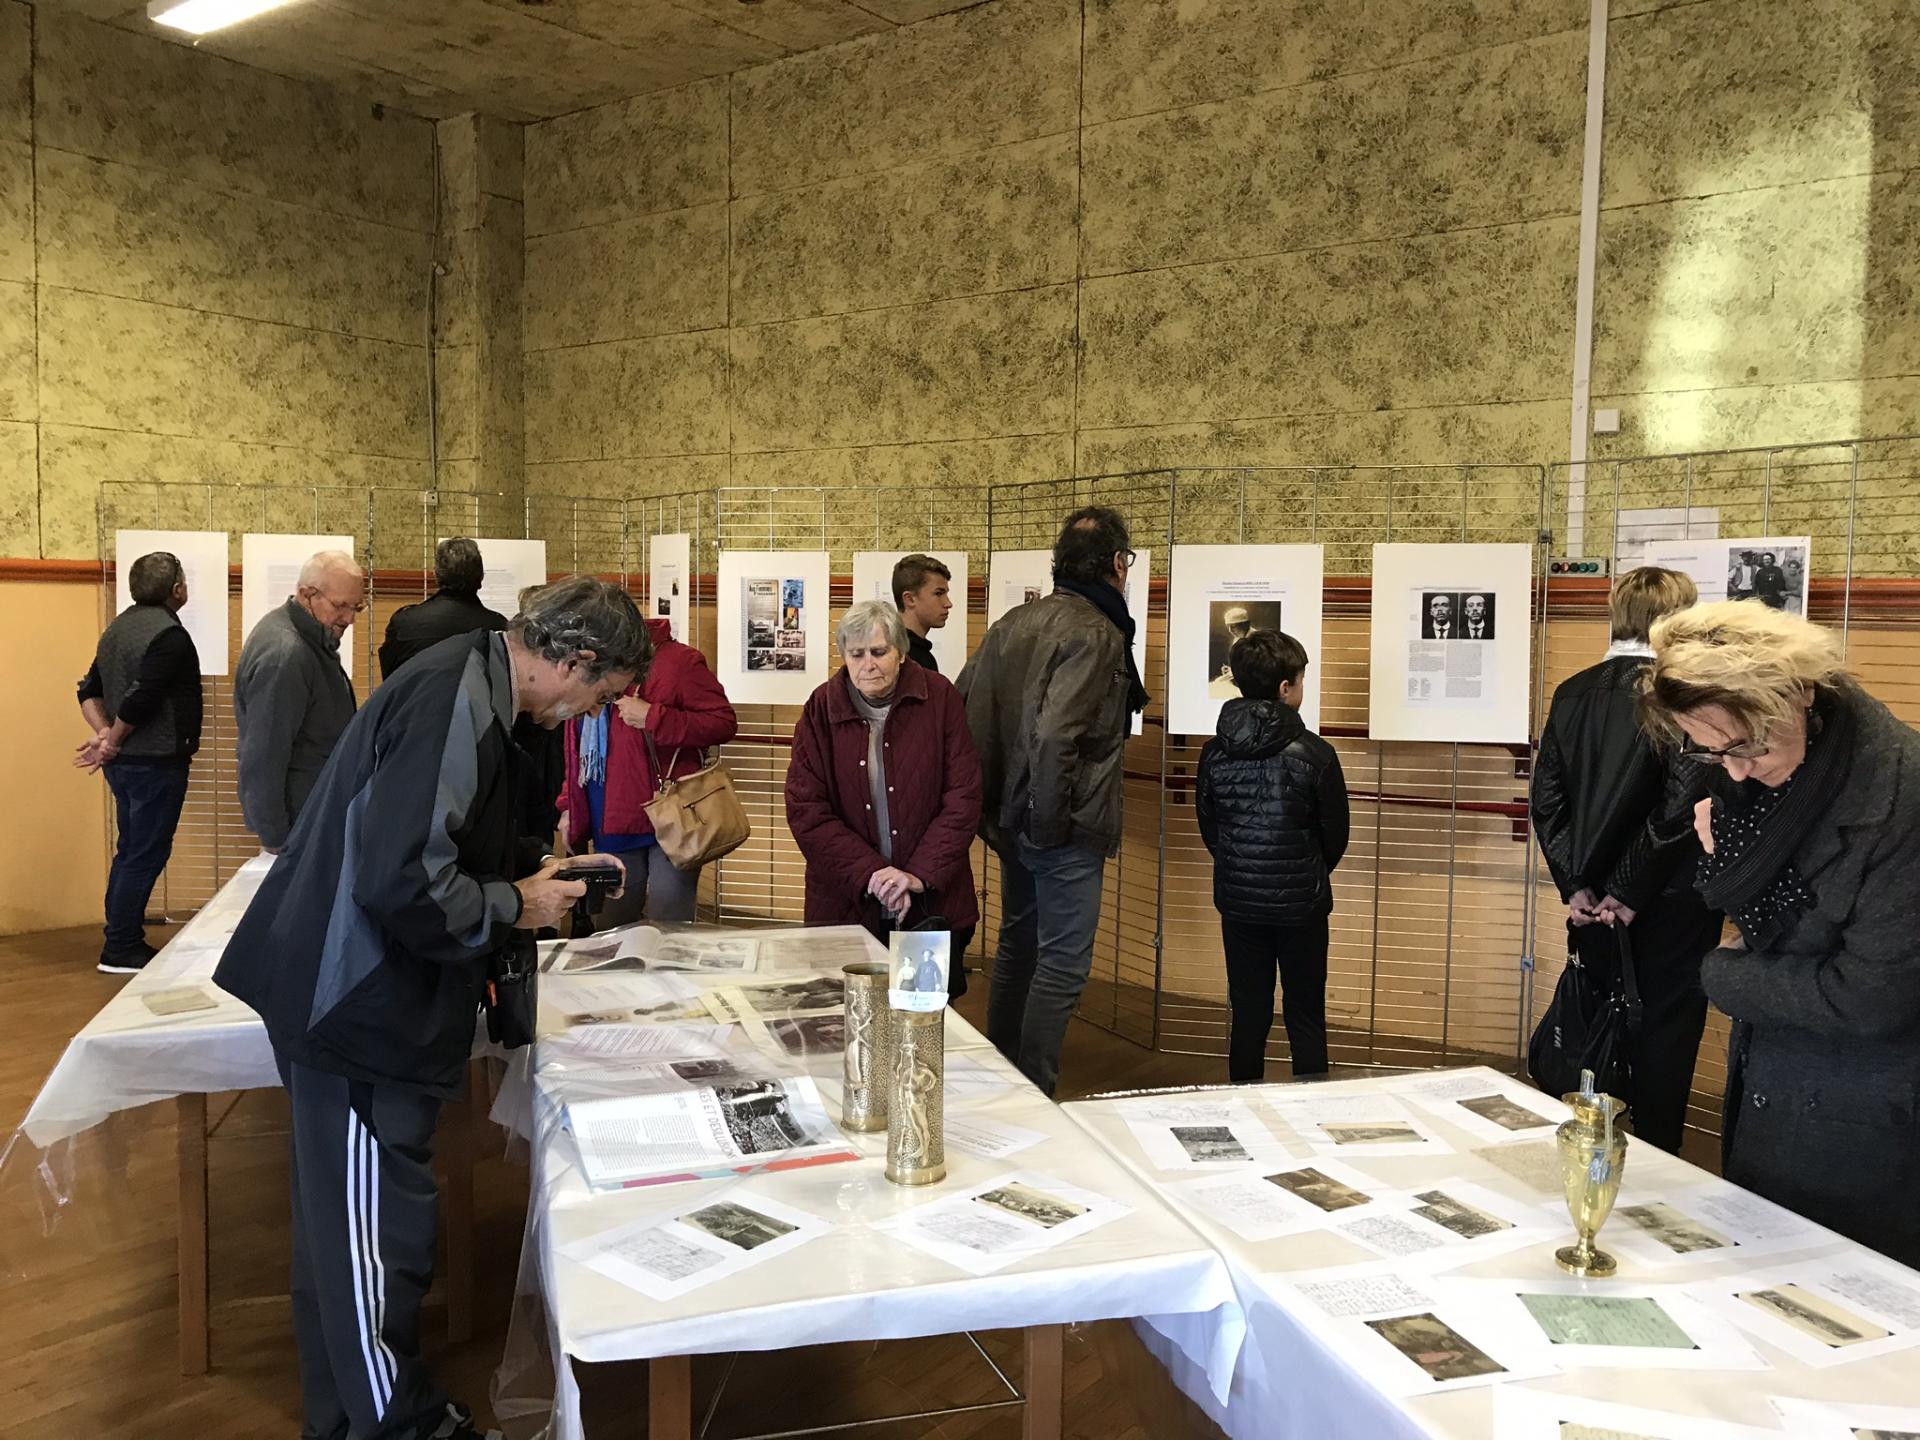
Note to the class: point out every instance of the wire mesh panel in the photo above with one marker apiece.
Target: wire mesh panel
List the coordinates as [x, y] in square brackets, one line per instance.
[1859, 501]
[764, 880]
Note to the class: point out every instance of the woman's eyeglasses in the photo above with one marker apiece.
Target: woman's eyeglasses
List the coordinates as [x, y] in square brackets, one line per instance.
[1739, 750]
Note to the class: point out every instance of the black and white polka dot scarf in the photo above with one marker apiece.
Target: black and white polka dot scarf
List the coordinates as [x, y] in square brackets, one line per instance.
[1757, 831]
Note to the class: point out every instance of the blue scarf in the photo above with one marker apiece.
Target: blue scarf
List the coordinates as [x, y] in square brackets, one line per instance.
[593, 749]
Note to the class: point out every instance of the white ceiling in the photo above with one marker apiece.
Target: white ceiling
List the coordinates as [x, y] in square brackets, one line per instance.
[521, 60]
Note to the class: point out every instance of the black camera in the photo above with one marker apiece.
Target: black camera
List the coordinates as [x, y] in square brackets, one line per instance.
[601, 881]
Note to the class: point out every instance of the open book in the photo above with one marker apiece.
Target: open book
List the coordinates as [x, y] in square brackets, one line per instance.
[697, 1133]
[646, 947]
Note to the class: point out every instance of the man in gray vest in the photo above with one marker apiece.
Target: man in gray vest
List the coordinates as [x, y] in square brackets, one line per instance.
[142, 698]
[291, 698]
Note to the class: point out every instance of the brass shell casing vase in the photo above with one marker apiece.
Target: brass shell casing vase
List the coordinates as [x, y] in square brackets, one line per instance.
[867, 1061]
[916, 1100]
[1593, 1156]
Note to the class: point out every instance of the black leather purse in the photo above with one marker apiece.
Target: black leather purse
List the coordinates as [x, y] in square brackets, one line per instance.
[1591, 1024]
[512, 994]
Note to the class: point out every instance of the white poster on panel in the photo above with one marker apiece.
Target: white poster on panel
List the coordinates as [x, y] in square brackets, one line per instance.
[1217, 594]
[270, 573]
[774, 640]
[510, 566]
[1014, 577]
[1139, 583]
[1450, 642]
[670, 582]
[203, 555]
[873, 580]
[1770, 569]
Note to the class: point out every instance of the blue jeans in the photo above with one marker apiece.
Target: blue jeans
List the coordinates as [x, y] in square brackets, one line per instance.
[1050, 908]
[147, 801]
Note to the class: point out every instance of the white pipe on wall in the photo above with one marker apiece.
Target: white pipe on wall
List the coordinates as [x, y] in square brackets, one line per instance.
[1583, 305]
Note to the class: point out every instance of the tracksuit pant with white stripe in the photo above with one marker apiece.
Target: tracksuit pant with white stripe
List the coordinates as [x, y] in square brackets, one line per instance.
[364, 1209]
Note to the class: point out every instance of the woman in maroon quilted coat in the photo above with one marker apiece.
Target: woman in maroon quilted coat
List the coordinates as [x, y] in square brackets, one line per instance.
[883, 791]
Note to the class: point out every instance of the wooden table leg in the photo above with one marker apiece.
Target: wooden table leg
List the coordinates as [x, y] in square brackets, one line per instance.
[193, 1234]
[457, 1145]
[1046, 1382]
[670, 1398]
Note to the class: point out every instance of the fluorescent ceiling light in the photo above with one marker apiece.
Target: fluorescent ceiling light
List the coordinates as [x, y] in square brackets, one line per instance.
[199, 17]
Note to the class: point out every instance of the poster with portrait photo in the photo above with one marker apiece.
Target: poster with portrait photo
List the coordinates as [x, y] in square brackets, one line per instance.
[1450, 643]
[1016, 577]
[774, 638]
[873, 580]
[203, 556]
[1771, 569]
[1217, 594]
[669, 578]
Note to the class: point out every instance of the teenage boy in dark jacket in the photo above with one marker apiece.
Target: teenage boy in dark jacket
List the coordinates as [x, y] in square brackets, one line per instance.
[365, 951]
[1272, 805]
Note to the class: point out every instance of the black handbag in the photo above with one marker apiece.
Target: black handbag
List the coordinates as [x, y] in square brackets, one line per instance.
[1591, 1023]
[512, 998]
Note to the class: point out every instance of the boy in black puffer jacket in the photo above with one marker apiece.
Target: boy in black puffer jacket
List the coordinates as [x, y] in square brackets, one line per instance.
[1272, 805]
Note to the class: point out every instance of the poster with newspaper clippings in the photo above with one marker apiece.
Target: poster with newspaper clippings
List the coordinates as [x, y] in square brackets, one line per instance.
[669, 579]
[774, 639]
[1450, 642]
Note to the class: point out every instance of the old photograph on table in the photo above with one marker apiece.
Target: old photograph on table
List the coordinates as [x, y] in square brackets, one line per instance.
[1714, 1221]
[1450, 643]
[802, 1035]
[773, 625]
[676, 1251]
[1438, 1226]
[1485, 1106]
[1832, 1311]
[917, 962]
[1431, 1349]
[800, 996]
[1522, 1412]
[993, 1224]
[640, 946]
[1218, 595]
[1845, 1419]
[1626, 1325]
[1323, 1187]
[1359, 1125]
[1202, 1135]
[1775, 570]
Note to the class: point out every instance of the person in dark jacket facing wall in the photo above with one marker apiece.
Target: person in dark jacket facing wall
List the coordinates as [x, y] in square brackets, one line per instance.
[1603, 804]
[365, 952]
[1812, 834]
[453, 609]
[142, 699]
[883, 790]
[1272, 806]
[612, 758]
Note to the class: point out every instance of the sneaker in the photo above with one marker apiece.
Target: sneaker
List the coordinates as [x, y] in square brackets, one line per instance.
[126, 962]
[458, 1425]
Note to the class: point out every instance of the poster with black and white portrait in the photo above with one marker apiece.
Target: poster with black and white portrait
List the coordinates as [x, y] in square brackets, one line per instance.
[1773, 569]
[1450, 642]
[1219, 595]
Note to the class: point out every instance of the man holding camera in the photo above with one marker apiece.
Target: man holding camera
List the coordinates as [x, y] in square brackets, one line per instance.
[367, 952]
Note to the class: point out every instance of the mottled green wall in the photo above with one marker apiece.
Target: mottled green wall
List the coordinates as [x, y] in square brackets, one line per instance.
[1041, 237]
[207, 273]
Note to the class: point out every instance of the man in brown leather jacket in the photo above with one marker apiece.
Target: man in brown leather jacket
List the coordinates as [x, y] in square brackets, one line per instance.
[1048, 698]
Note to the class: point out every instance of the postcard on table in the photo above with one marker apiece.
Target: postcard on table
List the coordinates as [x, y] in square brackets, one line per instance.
[669, 1254]
[1357, 1125]
[1484, 1105]
[1617, 1324]
[1173, 1137]
[1452, 1222]
[991, 1225]
[1431, 1348]
[1709, 1222]
[1830, 1311]
[1320, 1190]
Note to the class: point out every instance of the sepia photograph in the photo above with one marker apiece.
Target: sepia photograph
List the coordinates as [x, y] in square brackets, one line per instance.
[1507, 1114]
[1462, 1219]
[1028, 1203]
[1228, 623]
[1388, 1134]
[1677, 1232]
[1029, 594]
[1320, 1189]
[811, 1034]
[1436, 1347]
[737, 1225]
[1811, 1315]
[1206, 1144]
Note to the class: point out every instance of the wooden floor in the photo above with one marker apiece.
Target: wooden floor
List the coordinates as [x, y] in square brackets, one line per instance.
[87, 1316]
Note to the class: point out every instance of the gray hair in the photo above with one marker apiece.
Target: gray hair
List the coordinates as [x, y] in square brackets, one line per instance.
[323, 563]
[558, 621]
[863, 619]
[151, 578]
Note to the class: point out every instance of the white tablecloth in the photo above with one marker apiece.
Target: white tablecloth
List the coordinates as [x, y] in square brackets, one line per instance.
[857, 1283]
[1289, 1383]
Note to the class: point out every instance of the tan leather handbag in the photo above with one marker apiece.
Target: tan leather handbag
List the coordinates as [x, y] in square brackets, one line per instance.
[696, 818]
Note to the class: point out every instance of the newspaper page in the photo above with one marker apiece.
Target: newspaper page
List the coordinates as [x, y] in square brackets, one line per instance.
[645, 947]
[801, 995]
[739, 1127]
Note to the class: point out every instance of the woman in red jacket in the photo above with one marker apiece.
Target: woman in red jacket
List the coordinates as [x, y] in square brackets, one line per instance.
[677, 712]
[883, 790]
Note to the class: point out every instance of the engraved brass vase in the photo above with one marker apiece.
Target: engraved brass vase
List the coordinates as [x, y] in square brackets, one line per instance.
[916, 1100]
[867, 1061]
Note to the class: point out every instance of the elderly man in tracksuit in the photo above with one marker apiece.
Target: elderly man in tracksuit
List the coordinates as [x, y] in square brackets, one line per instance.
[366, 951]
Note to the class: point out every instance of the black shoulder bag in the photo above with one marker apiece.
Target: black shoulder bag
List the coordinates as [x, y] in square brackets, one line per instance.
[1590, 1025]
[512, 995]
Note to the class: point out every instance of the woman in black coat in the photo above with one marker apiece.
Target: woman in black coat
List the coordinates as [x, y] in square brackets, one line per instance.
[1272, 806]
[1813, 839]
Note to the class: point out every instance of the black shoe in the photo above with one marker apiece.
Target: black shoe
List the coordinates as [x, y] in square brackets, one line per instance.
[126, 962]
[458, 1425]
